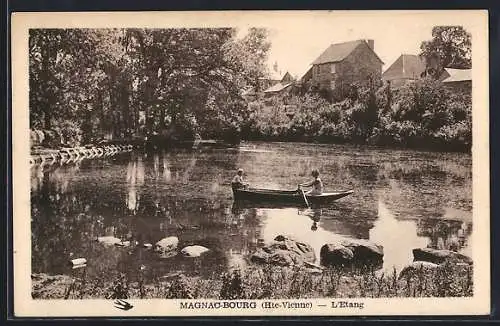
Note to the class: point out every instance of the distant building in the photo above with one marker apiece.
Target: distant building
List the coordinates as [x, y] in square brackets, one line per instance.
[274, 76]
[406, 68]
[274, 85]
[272, 79]
[347, 63]
[458, 80]
[282, 86]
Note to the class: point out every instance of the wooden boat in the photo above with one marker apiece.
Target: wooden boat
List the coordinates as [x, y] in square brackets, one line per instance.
[286, 196]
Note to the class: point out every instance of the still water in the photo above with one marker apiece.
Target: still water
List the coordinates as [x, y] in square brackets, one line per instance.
[402, 200]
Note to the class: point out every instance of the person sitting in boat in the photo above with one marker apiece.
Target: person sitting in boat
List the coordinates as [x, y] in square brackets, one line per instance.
[237, 182]
[316, 184]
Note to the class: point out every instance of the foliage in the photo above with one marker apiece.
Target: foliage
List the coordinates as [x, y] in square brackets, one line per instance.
[232, 287]
[103, 80]
[270, 282]
[450, 47]
[419, 114]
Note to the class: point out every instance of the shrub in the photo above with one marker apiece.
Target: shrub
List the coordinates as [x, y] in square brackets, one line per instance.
[419, 114]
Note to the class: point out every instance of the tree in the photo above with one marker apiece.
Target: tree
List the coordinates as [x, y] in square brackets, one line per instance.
[96, 82]
[450, 47]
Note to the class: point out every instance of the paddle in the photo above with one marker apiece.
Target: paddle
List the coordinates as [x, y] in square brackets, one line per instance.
[305, 198]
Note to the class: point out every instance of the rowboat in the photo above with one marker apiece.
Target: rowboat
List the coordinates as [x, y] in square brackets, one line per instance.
[286, 196]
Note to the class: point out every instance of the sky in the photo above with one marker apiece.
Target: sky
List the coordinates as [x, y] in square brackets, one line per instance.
[297, 39]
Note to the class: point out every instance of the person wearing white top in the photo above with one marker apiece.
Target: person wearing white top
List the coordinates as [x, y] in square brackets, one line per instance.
[316, 184]
[237, 182]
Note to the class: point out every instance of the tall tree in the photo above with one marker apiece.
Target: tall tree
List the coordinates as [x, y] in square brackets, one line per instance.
[97, 81]
[63, 76]
[450, 47]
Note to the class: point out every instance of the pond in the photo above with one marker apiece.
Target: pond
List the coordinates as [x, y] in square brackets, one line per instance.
[402, 200]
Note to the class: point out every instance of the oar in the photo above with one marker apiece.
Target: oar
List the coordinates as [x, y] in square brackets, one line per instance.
[305, 198]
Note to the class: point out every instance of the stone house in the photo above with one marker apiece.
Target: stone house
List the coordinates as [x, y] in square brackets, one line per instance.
[407, 68]
[458, 80]
[345, 64]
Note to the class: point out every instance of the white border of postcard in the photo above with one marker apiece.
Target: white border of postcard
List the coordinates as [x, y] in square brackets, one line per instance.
[476, 22]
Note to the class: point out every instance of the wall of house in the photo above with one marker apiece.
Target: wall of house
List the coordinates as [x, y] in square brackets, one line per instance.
[460, 87]
[361, 64]
[356, 68]
[322, 74]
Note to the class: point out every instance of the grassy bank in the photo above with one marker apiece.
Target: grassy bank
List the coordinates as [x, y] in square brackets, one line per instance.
[268, 283]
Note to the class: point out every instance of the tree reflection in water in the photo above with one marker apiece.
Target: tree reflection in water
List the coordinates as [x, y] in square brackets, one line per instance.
[402, 199]
[135, 180]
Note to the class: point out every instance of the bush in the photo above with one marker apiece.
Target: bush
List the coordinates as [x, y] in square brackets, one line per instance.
[419, 114]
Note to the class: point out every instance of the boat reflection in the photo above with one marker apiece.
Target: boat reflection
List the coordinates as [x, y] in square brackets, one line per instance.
[242, 204]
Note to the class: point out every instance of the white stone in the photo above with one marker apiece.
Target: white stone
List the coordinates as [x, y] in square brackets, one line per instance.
[108, 240]
[167, 244]
[78, 261]
[194, 251]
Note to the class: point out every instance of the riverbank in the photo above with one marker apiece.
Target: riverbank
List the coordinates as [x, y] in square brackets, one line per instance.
[268, 283]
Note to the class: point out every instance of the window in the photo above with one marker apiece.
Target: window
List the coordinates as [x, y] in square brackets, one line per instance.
[332, 84]
[332, 68]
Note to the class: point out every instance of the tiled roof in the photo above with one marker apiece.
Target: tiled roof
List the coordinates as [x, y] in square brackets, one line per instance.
[457, 75]
[407, 66]
[340, 51]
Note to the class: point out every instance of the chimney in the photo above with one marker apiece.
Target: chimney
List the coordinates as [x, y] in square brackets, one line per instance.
[371, 44]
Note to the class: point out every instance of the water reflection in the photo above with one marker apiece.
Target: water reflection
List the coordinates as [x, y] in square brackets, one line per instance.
[316, 217]
[167, 174]
[398, 237]
[135, 179]
[402, 200]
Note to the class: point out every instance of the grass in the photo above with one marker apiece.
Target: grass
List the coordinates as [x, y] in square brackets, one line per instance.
[269, 282]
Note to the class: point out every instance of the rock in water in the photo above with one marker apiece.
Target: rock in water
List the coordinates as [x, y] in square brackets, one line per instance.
[78, 263]
[437, 256]
[284, 251]
[417, 267]
[108, 240]
[123, 244]
[352, 253]
[365, 252]
[194, 251]
[166, 244]
[336, 255]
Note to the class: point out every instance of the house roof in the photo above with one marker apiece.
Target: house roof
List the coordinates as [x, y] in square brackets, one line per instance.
[275, 77]
[339, 51]
[407, 66]
[287, 77]
[305, 74]
[277, 88]
[458, 75]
